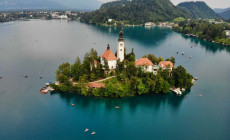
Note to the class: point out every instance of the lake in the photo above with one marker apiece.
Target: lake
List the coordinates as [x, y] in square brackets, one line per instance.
[40, 46]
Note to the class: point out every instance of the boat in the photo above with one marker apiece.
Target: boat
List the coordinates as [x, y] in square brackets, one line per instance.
[182, 53]
[93, 133]
[41, 77]
[86, 130]
[1, 77]
[200, 95]
[26, 76]
[73, 104]
[190, 57]
[117, 107]
[195, 78]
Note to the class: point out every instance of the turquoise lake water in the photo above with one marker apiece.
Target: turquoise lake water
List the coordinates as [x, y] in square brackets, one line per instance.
[40, 46]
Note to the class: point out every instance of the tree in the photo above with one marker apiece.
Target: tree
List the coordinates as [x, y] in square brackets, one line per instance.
[77, 69]
[159, 85]
[141, 88]
[152, 58]
[106, 66]
[182, 78]
[172, 59]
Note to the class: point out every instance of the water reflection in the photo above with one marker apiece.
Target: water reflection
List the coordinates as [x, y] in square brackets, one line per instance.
[140, 34]
[154, 102]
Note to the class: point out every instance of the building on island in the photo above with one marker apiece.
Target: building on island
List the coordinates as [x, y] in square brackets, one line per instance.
[227, 33]
[121, 47]
[96, 85]
[145, 63]
[110, 58]
[166, 65]
[155, 69]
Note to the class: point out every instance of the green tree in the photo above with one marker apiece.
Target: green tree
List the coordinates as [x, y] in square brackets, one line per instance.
[77, 69]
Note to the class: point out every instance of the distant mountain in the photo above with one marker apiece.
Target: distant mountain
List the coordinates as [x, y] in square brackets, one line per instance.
[225, 14]
[199, 9]
[219, 10]
[136, 11]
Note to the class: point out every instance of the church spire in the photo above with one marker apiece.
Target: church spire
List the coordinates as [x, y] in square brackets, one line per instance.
[121, 35]
[121, 47]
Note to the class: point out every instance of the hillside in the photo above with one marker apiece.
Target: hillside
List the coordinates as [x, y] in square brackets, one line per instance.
[225, 14]
[199, 9]
[220, 10]
[136, 12]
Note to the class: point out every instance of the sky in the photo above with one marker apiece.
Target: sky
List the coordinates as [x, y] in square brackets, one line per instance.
[83, 4]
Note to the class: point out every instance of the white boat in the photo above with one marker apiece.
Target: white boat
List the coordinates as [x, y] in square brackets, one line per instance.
[86, 130]
[93, 133]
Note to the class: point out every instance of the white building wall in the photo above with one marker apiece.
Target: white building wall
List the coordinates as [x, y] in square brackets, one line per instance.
[149, 69]
[112, 64]
[227, 32]
[102, 61]
[121, 50]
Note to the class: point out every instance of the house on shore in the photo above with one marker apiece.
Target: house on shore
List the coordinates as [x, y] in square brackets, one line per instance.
[145, 63]
[166, 65]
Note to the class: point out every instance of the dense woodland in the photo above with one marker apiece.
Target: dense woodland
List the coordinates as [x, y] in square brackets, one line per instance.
[129, 80]
[141, 11]
[136, 12]
[205, 30]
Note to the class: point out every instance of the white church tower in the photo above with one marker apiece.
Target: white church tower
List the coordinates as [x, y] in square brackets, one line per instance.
[121, 47]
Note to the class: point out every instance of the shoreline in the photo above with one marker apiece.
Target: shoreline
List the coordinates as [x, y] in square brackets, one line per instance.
[194, 36]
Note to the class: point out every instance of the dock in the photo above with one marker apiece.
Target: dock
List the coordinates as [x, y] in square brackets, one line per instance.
[177, 91]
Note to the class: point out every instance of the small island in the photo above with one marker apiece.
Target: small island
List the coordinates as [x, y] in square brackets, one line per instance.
[121, 75]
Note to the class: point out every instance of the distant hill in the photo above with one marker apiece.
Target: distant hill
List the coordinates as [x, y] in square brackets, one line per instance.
[225, 14]
[220, 10]
[199, 9]
[136, 11]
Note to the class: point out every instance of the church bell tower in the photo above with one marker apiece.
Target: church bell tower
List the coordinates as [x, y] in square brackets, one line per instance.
[121, 46]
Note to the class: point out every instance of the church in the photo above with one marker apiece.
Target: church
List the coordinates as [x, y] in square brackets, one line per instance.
[110, 57]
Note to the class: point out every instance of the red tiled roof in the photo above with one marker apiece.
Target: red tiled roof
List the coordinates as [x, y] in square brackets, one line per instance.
[108, 55]
[143, 61]
[166, 64]
[96, 85]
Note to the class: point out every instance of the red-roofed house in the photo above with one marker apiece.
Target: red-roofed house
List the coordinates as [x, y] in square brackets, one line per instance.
[166, 65]
[145, 63]
[110, 57]
[96, 85]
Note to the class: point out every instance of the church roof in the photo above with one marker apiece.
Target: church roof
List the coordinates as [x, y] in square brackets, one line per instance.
[143, 62]
[108, 55]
